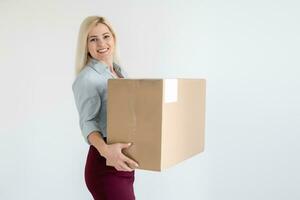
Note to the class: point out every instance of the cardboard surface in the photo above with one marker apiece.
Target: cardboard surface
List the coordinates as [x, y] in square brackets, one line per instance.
[163, 118]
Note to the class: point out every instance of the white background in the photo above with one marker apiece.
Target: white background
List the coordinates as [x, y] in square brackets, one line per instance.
[247, 50]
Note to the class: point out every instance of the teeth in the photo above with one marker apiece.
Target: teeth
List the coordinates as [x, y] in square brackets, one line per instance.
[102, 50]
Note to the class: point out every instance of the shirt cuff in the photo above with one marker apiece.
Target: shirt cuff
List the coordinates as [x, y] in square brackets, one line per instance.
[88, 128]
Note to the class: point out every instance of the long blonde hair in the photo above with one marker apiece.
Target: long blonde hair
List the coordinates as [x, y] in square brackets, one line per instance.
[82, 55]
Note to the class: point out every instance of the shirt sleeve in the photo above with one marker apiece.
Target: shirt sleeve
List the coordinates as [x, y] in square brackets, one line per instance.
[124, 73]
[88, 103]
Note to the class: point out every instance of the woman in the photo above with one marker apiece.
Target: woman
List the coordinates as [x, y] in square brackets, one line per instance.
[96, 62]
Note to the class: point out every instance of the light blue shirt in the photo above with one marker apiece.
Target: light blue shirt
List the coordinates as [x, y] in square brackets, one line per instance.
[90, 93]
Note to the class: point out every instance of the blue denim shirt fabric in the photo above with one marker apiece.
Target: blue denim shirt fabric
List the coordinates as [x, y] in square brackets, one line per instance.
[90, 93]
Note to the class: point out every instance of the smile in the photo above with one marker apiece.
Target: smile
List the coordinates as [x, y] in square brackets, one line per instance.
[102, 50]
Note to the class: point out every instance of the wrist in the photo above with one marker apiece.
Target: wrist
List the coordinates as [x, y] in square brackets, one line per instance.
[102, 149]
[98, 142]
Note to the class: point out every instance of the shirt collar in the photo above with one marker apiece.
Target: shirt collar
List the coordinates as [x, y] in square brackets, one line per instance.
[100, 66]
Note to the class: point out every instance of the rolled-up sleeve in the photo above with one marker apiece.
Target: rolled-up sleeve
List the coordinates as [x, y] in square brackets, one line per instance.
[88, 103]
[124, 73]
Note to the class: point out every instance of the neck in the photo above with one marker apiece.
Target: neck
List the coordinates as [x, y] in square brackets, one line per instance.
[108, 62]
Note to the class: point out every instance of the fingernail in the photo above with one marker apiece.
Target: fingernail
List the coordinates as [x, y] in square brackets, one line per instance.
[129, 143]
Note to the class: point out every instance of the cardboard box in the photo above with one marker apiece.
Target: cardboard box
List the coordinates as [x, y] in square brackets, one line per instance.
[163, 118]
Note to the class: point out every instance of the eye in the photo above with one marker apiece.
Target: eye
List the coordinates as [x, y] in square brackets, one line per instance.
[93, 40]
[106, 36]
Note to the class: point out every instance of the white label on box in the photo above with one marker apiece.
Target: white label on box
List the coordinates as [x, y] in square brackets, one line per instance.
[170, 90]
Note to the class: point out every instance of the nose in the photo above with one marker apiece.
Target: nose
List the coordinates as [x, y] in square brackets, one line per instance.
[100, 42]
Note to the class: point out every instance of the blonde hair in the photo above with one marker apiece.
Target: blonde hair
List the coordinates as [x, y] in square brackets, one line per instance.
[82, 54]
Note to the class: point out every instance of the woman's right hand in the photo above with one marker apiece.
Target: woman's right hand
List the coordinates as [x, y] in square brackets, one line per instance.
[115, 157]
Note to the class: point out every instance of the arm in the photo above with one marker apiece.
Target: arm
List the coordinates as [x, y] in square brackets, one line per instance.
[97, 141]
[88, 103]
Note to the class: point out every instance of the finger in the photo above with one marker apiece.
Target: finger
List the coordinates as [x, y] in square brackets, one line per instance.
[125, 167]
[125, 145]
[130, 161]
[132, 166]
[118, 168]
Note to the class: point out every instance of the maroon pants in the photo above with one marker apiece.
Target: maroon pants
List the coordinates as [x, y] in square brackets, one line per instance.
[105, 182]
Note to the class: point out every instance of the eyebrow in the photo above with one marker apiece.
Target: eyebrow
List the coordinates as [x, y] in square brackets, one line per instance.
[96, 35]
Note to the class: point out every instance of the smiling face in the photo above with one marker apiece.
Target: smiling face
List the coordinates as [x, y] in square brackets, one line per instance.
[101, 43]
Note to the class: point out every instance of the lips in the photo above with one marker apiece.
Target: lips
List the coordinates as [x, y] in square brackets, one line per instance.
[103, 50]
